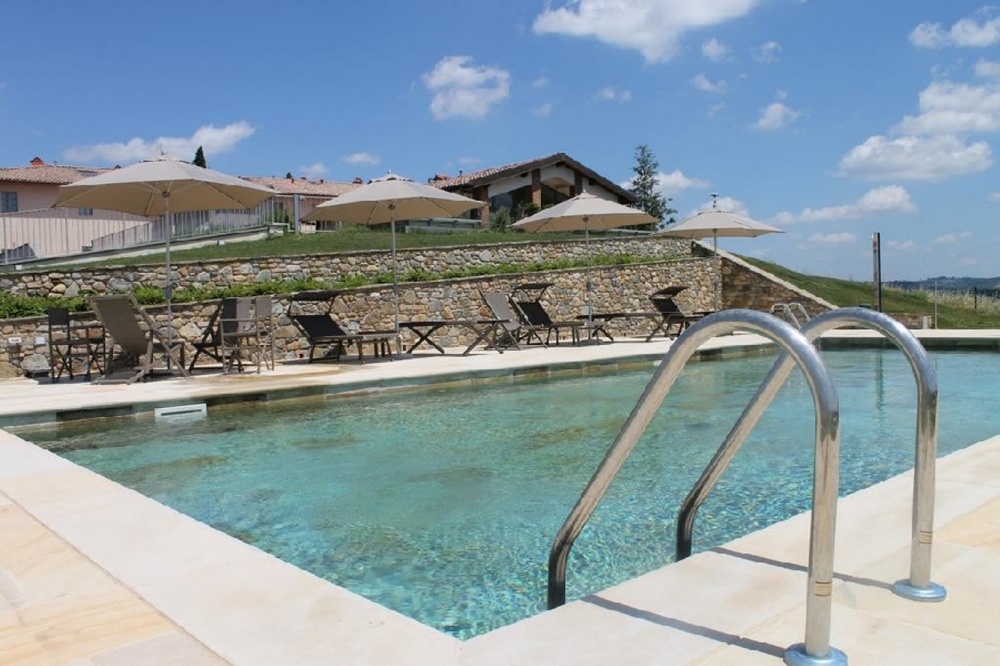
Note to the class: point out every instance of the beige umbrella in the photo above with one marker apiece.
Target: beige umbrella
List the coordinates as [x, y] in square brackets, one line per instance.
[588, 212]
[714, 222]
[385, 200]
[162, 186]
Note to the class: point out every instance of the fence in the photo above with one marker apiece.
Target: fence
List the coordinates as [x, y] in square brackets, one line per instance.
[66, 232]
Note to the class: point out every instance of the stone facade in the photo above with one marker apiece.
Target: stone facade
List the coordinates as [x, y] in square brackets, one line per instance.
[711, 282]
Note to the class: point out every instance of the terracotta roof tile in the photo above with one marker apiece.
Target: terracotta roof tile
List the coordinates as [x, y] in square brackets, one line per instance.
[493, 173]
[326, 188]
[50, 174]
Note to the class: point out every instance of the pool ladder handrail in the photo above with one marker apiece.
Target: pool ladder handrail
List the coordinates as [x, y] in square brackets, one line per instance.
[919, 586]
[791, 312]
[816, 649]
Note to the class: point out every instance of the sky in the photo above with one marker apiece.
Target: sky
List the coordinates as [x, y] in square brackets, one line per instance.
[831, 120]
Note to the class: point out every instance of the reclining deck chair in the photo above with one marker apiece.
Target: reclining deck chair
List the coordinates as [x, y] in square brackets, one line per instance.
[139, 347]
[210, 342]
[321, 329]
[663, 301]
[514, 330]
[527, 298]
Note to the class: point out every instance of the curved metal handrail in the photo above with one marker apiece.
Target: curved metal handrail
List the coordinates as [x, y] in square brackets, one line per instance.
[919, 586]
[825, 479]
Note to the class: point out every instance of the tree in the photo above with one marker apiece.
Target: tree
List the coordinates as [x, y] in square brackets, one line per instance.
[644, 186]
[199, 158]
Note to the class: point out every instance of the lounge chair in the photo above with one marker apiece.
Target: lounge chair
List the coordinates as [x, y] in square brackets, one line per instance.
[210, 342]
[672, 315]
[139, 348]
[71, 342]
[322, 330]
[527, 298]
[514, 330]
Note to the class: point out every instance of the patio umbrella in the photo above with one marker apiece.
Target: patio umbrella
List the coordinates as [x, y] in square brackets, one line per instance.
[162, 186]
[588, 212]
[384, 200]
[714, 222]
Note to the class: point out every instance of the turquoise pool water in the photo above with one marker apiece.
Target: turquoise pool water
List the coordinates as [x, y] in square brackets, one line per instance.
[443, 504]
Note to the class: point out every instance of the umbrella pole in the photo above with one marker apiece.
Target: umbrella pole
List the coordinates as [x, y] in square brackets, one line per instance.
[395, 280]
[586, 235]
[168, 291]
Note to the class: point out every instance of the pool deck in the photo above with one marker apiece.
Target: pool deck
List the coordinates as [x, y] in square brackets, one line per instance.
[92, 573]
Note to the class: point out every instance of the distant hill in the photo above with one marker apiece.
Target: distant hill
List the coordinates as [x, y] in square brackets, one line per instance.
[950, 284]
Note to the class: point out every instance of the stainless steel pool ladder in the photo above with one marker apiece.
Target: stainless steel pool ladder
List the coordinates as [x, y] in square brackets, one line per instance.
[793, 313]
[816, 649]
[919, 586]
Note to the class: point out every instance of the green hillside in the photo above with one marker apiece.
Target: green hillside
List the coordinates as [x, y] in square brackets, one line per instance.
[951, 312]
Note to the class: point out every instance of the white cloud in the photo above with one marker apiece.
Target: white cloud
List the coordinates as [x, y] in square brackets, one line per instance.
[994, 196]
[775, 116]
[715, 108]
[902, 245]
[715, 50]
[468, 161]
[314, 170]
[652, 27]
[953, 238]
[360, 158]
[212, 139]
[988, 69]
[612, 94]
[767, 52]
[544, 110]
[832, 239]
[979, 30]
[888, 199]
[701, 82]
[673, 183]
[463, 90]
[952, 108]
[540, 82]
[916, 158]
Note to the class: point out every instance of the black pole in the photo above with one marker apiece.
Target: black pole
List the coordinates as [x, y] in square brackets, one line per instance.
[877, 269]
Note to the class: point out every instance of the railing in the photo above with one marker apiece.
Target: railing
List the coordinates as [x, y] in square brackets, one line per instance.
[919, 586]
[66, 232]
[793, 313]
[816, 648]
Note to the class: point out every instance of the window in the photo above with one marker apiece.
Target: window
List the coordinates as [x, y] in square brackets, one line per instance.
[8, 202]
[85, 212]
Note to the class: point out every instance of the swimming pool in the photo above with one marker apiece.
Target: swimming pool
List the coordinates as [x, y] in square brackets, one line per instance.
[443, 504]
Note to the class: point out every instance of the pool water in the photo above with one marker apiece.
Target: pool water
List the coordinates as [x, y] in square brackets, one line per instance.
[443, 504]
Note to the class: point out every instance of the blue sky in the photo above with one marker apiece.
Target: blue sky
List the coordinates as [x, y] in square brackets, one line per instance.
[830, 120]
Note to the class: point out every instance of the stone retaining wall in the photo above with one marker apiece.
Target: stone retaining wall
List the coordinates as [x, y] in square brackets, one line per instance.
[329, 267]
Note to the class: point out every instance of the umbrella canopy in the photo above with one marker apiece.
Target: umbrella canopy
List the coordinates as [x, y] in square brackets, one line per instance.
[714, 222]
[385, 200]
[162, 186]
[585, 211]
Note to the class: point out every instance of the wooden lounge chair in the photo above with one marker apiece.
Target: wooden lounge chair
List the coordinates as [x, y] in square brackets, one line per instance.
[210, 342]
[527, 298]
[139, 348]
[72, 343]
[514, 329]
[672, 315]
[322, 330]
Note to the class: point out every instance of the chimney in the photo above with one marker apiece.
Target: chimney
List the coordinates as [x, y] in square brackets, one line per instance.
[357, 181]
[37, 162]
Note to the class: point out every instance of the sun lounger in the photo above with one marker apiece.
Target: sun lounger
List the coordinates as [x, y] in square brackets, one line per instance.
[527, 298]
[322, 330]
[139, 347]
